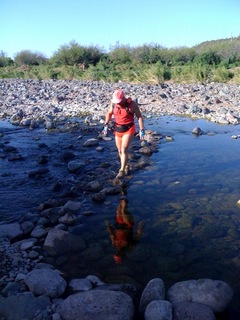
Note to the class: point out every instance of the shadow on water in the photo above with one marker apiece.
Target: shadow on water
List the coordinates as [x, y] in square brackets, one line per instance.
[187, 201]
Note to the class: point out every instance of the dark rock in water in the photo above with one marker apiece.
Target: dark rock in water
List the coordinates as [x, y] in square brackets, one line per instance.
[38, 172]
[23, 306]
[197, 131]
[60, 242]
[192, 310]
[45, 281]
[68, 155]
[11, 230]
[43, 159]
[100, 305]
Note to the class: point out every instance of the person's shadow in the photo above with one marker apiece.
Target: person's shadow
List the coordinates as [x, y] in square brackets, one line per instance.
[122, 236]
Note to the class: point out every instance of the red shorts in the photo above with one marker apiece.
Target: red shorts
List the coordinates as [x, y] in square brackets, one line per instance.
[130, 131]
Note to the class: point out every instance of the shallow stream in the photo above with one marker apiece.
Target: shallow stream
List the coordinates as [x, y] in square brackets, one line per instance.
[186, 199]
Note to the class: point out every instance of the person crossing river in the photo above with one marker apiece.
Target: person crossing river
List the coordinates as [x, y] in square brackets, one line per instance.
[123, 109]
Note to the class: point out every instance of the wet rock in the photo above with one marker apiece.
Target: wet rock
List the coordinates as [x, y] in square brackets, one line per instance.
[11, 231]
[192, 311]
[159, 309]
[59, 242]
[70, 206]
[154, 290]
[214, 293]
[99, 197]
[68, 219]
[97, 304]
[22, 306]
[37, 172]
[91, 143]
[147, 151]
[197, 131]
[45, 281]
[79, 285]
[75, 165]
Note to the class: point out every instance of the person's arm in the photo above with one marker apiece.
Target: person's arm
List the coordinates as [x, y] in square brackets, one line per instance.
[140, 120]
[110, 231]
[107, 119]
[139, 231]
[109, 114]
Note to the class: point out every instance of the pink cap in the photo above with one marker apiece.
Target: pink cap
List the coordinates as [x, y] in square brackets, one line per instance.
[118, 95]
[118, 259]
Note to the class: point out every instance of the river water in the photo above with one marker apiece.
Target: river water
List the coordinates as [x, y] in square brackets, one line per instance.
[187, 202]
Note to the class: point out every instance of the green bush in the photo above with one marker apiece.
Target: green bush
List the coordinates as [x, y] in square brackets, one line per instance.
[74, 54]
[28, 58]
[221, 74]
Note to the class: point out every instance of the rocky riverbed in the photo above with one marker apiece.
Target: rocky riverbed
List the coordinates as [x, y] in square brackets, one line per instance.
[33, 102]
[33, 246]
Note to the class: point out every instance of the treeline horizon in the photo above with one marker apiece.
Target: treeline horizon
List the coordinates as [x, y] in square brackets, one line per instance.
[214, 61]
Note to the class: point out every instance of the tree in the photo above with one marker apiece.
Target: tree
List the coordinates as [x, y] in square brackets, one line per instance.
[149, 53]
[209, 57]
[4, 60]
[26, 57]
[75, 54]
[120, 53]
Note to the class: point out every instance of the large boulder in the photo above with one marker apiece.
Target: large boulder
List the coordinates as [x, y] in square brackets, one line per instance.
[23, 306]
[192, 311]
[214, 293]
[10, 231]
[158, 309]
[154, 290]
[45, 281]
[59, 242]
[97, 305]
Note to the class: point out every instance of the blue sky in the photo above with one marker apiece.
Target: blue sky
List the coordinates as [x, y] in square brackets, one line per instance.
[45, 25]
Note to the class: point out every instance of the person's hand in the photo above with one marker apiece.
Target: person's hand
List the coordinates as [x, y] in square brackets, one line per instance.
[142, 134]
[141, 224]
[105, 130]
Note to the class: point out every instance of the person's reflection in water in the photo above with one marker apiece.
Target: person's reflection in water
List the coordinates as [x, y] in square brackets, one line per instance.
[123, 237]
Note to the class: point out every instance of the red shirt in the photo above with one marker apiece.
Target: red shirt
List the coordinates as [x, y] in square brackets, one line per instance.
[123, 115]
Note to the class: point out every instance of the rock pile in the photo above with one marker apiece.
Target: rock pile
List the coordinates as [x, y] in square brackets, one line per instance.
[35, 102]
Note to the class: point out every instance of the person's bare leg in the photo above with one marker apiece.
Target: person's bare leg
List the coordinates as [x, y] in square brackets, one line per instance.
[118, 142]
[126, 139]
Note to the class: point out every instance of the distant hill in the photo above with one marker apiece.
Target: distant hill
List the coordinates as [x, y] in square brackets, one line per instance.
[224, 47]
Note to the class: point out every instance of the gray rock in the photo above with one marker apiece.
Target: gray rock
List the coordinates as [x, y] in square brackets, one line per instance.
[75, 165]
[22, 306]
[198, 131]
[146, 151]
[11, 289]
[158, 310]
[214, 293]
[39, 232]
[94, 280]
[154, 290]
[72, 206]
[11, 231]
[97, 305]
[99, 197]
[68, 219]
[59, 242]
[27, 227]
[192, 311]
[79, 285]
[27, 244]
[91, 142]
[45, 281]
